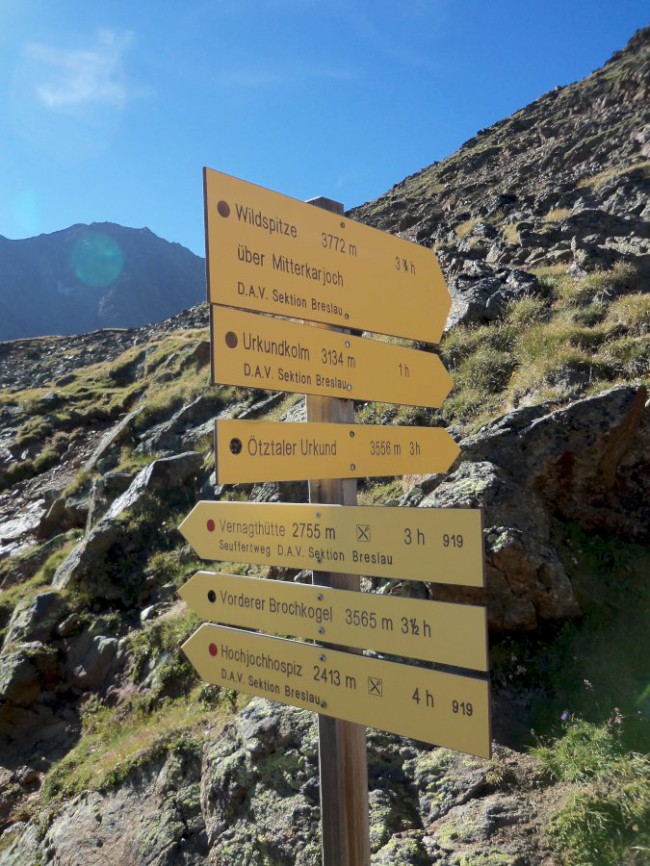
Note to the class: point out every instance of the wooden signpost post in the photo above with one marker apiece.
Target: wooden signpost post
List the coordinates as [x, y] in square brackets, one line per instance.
[342, 751]
[269, 254]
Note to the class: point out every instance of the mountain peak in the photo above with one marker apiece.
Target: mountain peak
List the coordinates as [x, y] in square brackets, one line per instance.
[91, 276]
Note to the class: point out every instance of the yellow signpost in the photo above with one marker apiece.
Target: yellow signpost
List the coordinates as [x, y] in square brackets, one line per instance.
[451, 634]
[268, 253]
[249, 451]
[440, 708]
[442, 545]
[274, 254]
[255, 351]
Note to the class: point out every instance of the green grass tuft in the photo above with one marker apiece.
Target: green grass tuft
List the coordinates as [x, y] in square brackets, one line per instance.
[574, 338]
[607, 821]
[631, 312]
[116, 740]
[585, 751]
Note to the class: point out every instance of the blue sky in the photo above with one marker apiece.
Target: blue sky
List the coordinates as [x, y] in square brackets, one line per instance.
[109, 110]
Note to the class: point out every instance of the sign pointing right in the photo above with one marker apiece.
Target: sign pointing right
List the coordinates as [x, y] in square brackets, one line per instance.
[249, 451]
[254, 351]
[273, 254]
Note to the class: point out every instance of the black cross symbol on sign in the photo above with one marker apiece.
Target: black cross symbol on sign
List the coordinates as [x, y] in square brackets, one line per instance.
[375, 687]
[363, 532]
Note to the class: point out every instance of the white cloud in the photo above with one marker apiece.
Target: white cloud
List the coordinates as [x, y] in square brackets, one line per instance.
[83, 77]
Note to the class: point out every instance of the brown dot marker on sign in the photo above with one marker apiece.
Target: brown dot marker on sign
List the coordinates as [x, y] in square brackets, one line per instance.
[212, 649]
[223, 208]
[231, 339]
[211, 525]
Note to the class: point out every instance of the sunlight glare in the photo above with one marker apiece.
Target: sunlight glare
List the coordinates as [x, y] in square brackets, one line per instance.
[96, 259]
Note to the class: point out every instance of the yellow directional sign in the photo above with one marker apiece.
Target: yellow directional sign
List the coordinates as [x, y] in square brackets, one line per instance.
[249, 451]
[452, 634]
[255, 351]
[274, 254]
[441, 708]
[442, 545]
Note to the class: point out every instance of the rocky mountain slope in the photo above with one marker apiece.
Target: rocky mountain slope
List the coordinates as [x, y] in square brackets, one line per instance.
[564, 181]
[111, 749]
[94, 276]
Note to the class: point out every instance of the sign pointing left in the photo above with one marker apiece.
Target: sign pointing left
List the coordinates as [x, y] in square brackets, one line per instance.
[452, 634]
[431, 706]
[443, 545]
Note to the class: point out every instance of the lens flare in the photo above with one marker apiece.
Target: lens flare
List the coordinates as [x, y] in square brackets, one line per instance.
[96, 259]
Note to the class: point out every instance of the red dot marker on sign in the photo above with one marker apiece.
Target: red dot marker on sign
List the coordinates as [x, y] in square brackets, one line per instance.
[211, 525]
[213, 649]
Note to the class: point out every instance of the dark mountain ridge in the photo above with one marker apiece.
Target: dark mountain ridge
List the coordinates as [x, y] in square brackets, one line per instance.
[94, 276]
